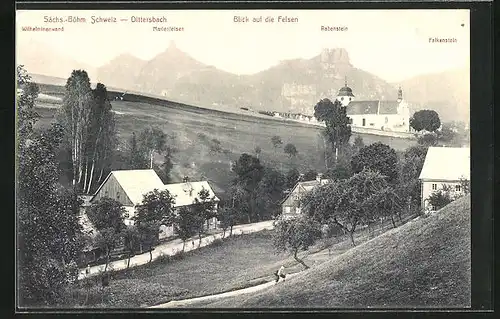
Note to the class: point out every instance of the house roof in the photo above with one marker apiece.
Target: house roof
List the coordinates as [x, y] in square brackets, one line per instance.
[135, 183]
[372, 107]
[362, 107]
[388, 107]
[446, 164]
[186, 193]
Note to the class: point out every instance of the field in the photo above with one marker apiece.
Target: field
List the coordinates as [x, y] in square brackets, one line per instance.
[235, 263]
[424, 263]
[195, 128]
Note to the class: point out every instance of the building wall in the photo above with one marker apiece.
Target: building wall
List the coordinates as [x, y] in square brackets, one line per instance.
[290, 205]
[112, 189]
[389, 122]
[428, 187]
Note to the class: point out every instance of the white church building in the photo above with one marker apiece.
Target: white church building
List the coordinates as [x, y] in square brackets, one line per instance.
[385, 115]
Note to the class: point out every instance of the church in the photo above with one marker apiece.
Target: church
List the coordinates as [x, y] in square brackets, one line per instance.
[389, 115]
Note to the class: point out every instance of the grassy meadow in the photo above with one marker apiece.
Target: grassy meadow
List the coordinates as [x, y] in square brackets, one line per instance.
[424, 263]
[194, 130]
[235, 263]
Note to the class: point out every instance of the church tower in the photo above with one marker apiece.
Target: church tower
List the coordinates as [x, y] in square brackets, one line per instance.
[400, 95]
[345, 95]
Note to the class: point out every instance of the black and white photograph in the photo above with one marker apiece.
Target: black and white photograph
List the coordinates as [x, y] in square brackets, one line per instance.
[243, 159]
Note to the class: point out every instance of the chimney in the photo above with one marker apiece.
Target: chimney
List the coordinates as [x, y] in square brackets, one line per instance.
[318, 177]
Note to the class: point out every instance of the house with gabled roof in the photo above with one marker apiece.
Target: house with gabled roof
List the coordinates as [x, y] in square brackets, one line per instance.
[444, 167]
[291, 203]
[129, 186]
[385, 115]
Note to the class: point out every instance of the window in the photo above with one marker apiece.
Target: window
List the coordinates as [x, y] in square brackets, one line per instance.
[458, 188]
[342, 98]
[117, 195]
[434, 187]
[350, 99]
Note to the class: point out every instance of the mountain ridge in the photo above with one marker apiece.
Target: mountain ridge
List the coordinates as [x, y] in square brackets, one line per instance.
[292, 85]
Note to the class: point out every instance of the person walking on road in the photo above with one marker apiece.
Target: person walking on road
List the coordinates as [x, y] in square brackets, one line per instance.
[280, 274]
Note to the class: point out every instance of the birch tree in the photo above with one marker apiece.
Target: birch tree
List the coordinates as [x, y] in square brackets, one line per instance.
[101, 138]
[152, 140]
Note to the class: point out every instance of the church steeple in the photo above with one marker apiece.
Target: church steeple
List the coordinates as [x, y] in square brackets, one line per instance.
[345, 95]
[400, 94]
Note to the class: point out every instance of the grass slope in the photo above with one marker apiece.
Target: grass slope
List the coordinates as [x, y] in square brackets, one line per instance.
[237, 263]
[424, 263]
[195, 128]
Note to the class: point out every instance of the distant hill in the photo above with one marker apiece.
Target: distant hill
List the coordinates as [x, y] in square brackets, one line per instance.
[425, 263]
[448, 93]
[122, 71]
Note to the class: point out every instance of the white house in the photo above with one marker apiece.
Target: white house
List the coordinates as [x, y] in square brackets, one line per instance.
[129, 186]
[444, 166]
[385, 115]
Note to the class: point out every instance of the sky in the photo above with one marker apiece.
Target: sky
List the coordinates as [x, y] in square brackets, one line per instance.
[392, 44]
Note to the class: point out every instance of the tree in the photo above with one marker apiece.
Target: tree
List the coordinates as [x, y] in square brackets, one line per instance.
[136, 158]
[237, 200]
[249, 170]
[149, 232]
[75, 117]
[270, 193]
[428, 140]
[344, 202]
[215, 146]
[291, 178]
[131, 240]
[290, 150]
[338, 128]
[409, 167]
[156, 207]
[185, 225]
[26, 114]
[101, 137]
[440, 198]
[276, 141]
[384, 203]
[258, 151]
[152, 140]
[165, 169]
[341, 170]
[358, 143]
[310, 175]
[425, 120]
[107, 215]
[107, 212]
[203, 208]
[296, 235]
[465, 185]
[377, 157]
[228, 217]
[48, 230]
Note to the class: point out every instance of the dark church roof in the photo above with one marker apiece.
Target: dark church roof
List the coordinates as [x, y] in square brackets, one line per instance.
[388, 107]
[362, 107]
[372, 107]
[345, 91]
